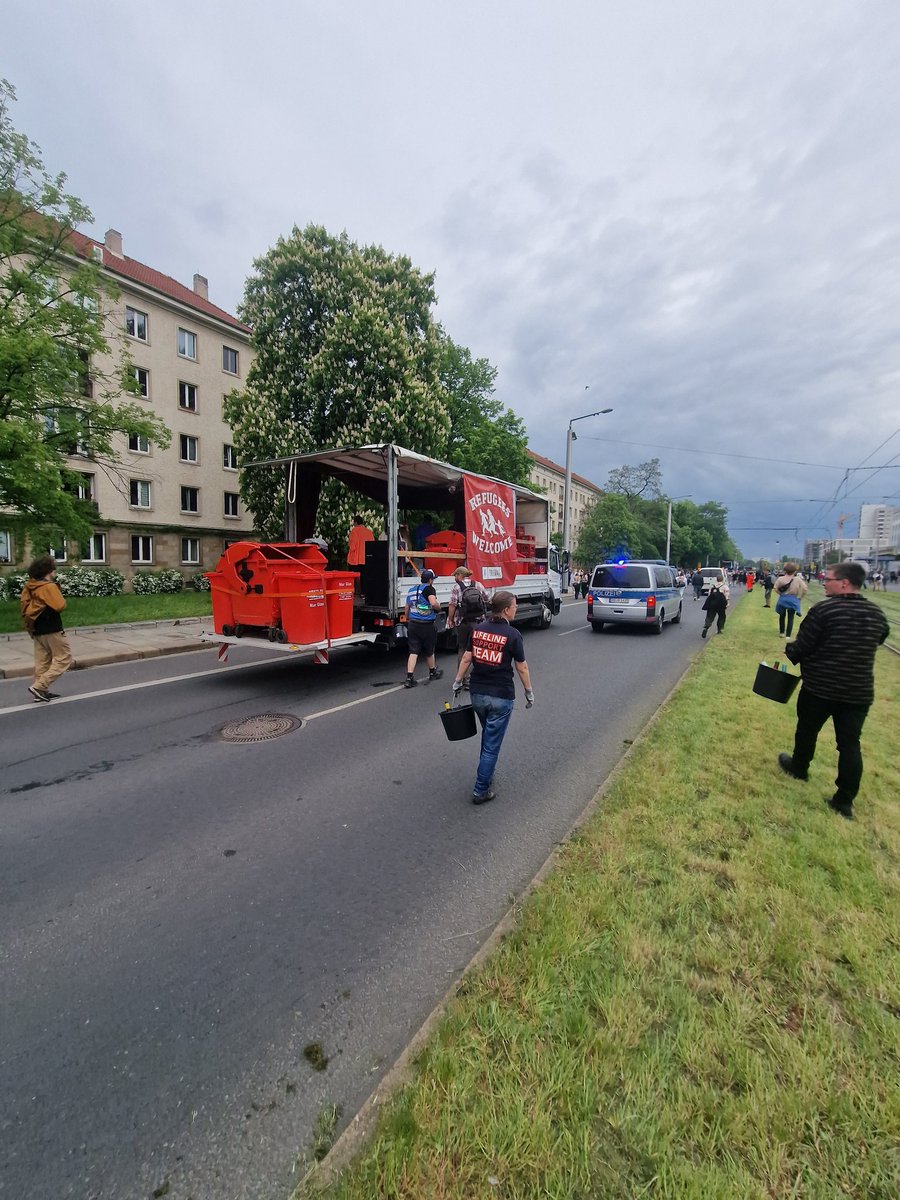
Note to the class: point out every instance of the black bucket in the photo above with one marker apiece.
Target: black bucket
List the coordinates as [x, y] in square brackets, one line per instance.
[459, 723]
[775, 685]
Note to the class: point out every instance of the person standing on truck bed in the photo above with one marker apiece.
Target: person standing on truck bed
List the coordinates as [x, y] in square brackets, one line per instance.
[356, 550]
[469, 602]
[422, 608]
[496, 647]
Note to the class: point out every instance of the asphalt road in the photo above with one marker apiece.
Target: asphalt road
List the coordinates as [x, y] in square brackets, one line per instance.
[182, 917]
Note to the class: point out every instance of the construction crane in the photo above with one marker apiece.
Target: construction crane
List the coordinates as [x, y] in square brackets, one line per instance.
[840, 523]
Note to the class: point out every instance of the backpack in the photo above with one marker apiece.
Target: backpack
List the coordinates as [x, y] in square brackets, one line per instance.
[31, 607]
[472, 605]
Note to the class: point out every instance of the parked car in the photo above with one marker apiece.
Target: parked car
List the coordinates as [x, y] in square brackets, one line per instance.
[633, 593]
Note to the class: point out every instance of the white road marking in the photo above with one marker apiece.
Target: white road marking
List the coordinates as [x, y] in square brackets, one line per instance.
[577, 629]
[326, 712]
[135, 687]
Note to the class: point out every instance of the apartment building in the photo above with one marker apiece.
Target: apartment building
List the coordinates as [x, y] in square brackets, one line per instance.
[550, 478]
[175, 507]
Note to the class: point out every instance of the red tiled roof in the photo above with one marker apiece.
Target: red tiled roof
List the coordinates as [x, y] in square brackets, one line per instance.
[130, 268]
[549, 465]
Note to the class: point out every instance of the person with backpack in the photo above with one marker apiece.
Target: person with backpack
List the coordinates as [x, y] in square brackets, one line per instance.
[42, 602]
[469, 603]
[422, 608]
[715, 607]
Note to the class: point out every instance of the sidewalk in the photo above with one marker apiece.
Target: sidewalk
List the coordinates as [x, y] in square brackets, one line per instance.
[97, 646]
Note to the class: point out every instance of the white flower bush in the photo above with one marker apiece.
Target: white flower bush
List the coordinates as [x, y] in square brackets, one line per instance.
[86, 581]
[200, 582]
[156, 583]
[11, 585]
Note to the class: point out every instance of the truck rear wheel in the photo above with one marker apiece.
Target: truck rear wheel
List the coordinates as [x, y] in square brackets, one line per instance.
[597, 626]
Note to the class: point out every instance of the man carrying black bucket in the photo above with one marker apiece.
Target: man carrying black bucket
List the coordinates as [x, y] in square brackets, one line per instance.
[494, 648]
[835, 648]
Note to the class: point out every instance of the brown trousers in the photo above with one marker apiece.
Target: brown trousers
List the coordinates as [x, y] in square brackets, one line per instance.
[52, 656]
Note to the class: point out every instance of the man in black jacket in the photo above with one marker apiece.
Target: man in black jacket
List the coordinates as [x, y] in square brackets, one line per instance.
[835, 648]
[715, 607]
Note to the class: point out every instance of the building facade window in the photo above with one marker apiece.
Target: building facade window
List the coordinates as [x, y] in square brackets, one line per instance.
[187, 343]
[229, 360]
[140, 493]
[229, 458]
[190, 551]
[142, 378]
[95, 548]
[138, 444]
[188, 448]
[85, 488]
[187, 396]
[190, 500]
[137, 324]
[141, 548]
[59, 551]
[231, 504]
[5, 546]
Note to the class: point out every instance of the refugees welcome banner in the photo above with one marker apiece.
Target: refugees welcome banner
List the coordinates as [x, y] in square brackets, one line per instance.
[490, 531]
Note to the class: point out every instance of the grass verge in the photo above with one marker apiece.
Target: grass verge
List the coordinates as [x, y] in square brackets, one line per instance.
[115, 610]
[702, 1000]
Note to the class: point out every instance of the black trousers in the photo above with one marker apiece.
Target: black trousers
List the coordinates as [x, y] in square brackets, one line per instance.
[786, 617]
[812, 713]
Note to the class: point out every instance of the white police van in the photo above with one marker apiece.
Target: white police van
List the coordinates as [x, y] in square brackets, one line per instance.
[634, 592]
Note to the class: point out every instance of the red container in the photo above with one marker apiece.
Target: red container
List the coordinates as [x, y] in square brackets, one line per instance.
[250, 576]
[301, 596]
[447, 541]
[339, 602]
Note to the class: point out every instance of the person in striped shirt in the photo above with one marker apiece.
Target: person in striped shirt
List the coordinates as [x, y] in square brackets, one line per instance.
[835, 649]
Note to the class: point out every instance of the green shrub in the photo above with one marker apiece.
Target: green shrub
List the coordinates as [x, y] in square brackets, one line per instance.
[200, 582]
[156, 583]
[86, 581]
[11, 585]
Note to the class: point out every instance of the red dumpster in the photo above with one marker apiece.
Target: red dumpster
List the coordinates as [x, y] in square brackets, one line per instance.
[449, 542]
[302, 599]
[339, 586]
[250, 577]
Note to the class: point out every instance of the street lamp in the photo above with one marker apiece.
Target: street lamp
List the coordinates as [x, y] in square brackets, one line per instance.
[669, 525]
[570, 438]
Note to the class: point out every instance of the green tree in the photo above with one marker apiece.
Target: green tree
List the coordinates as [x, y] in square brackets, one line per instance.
[63, 363]
[347, 353]
[644, 480]
[610, 529]
[484, 437]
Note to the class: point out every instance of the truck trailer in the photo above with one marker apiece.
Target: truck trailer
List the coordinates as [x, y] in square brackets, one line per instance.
[500, 530]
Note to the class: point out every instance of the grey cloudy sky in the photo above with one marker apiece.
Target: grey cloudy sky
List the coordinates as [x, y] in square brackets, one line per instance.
[691, 208]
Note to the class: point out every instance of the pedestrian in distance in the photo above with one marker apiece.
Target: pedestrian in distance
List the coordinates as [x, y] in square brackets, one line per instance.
[715, 606]
[768, 582]
[42, 602]
[496, 648]
[469, 603]
[791, 588]
[422, 608]
[697, 583]
[835, 650]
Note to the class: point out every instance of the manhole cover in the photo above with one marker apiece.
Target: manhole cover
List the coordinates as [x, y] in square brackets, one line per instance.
[261, 728]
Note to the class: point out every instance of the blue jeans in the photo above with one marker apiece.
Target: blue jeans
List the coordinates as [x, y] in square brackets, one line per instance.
[494, 714]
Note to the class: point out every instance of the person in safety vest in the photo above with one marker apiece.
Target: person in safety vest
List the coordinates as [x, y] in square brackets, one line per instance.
[422, 608]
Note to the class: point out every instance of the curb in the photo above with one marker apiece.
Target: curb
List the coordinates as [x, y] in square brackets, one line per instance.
[322, 1174]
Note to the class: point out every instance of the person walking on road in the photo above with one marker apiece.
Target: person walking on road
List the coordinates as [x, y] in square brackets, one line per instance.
[469, 603]
[422, 608]
[791, 588]
[496, 648]
[835, 650]
[697, 583]
[715, 606]
[41, 603]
